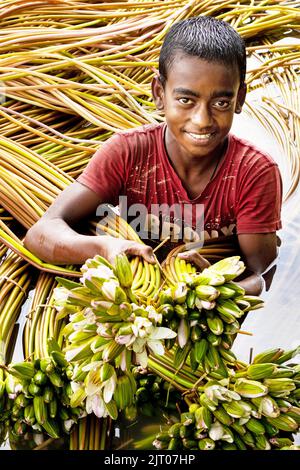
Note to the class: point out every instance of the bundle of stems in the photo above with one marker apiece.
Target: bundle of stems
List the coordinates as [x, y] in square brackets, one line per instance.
[41, 322]
[91, 433]
[15, 282]
[73, 72]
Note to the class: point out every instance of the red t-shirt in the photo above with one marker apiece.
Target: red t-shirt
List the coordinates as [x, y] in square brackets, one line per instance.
[244, 196]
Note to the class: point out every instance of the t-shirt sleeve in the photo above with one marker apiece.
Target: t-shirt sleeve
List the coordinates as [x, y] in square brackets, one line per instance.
[259, 201]
[106, 172]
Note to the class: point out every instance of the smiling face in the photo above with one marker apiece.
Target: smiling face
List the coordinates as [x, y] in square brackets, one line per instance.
[199, 100]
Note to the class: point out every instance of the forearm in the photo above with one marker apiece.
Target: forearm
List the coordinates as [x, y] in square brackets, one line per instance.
[55, 242]
[253, 284]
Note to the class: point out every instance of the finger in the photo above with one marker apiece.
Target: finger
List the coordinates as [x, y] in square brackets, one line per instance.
[195, 258]
[144, 251]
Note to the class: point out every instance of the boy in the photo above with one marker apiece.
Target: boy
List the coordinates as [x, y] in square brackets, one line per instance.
[191, 159]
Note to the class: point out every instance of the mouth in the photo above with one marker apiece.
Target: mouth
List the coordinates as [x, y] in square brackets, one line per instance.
[201, 138]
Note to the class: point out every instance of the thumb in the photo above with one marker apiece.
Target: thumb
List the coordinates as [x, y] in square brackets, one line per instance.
[145, 251]
[194, 257]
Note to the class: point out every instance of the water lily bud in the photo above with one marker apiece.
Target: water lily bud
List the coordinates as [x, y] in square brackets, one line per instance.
[179, 292]
[125, 310]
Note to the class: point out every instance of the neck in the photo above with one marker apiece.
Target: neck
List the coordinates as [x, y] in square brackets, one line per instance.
[187, 164]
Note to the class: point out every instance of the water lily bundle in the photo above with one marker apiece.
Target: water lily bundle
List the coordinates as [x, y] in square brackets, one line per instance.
[154, 395]
[256, 408]
[35, 397]
[110, 329]
[205, 310]
[15, 279]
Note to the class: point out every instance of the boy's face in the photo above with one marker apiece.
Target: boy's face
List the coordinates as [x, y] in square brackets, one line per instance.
[199, 100]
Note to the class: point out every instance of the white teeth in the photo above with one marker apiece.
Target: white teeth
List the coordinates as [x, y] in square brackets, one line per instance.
[200, 136]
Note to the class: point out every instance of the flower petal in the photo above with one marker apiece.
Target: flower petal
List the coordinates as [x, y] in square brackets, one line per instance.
[109, 389]
[89, 405]
[124, 339]
[99, 408]
[156, 347]
[92, 365]
[162, 333]
[139, 345]
[142, 358]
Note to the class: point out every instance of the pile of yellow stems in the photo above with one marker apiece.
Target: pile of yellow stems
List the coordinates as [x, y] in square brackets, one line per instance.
[73, 72]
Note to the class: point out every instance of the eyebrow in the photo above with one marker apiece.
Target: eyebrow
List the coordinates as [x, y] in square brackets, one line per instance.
[217, 94]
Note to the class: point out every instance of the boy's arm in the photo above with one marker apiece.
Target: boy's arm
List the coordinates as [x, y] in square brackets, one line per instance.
[259, 251]
[54, 240]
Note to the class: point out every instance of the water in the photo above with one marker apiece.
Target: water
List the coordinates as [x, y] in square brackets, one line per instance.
[278, 323]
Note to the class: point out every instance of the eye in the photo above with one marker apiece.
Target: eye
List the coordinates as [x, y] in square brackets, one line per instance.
[222, 104]
[185, 100]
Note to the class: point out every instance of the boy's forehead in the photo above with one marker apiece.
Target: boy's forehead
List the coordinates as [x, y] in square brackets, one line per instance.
[187, 67]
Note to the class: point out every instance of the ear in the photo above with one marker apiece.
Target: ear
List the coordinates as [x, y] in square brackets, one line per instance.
[240, 98]
[157, 92]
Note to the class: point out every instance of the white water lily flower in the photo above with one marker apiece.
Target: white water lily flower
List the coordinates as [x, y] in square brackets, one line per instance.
[125, 339]
[15, 387]
[140, 324]
[104, 330]
[38, 437]
[154, 340]
[92, 366]
[75, 385]
[221, 393]
[95, 404]
[123, 361]
[139, 345]
[79, 326]
[153, 315]
[109, 289]
[216, 431]
[145, 335]
[160, 332]
[156, 347]
[94, 385]
[109, 388]
[60, 295]
[102, 273]
[69, 355]
[68, 423]
[90, 316]
[142, 358]
[269, 407]
[216, 392]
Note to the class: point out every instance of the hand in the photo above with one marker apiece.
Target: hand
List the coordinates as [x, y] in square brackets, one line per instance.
[111, 247]
[192, 256]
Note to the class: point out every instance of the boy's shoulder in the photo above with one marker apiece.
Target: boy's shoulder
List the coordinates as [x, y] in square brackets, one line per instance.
[248, 151]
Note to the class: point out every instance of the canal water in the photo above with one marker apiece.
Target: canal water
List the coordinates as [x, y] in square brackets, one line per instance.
[278, 323]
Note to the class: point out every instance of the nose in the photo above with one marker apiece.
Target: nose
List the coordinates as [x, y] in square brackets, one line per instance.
[201, 116]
